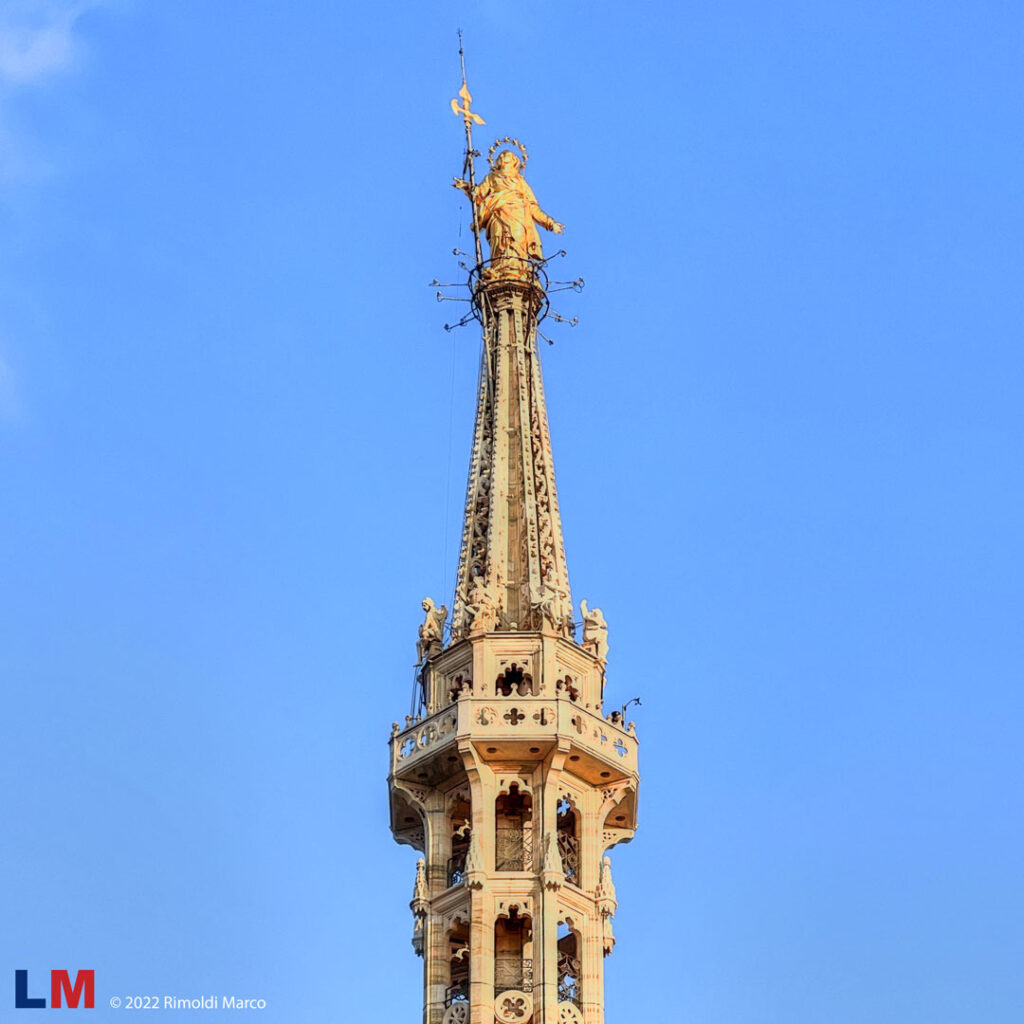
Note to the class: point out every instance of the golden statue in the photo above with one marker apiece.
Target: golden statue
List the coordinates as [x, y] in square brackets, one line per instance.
[507, 210]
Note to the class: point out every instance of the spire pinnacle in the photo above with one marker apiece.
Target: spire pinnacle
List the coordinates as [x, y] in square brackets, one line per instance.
[512, 570]
[469, 119]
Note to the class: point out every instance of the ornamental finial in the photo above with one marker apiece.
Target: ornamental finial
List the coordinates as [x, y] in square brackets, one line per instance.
[469, 119]
[503, 204]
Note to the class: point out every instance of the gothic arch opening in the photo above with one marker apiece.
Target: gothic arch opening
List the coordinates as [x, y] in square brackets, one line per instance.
[513, 681]
[570, 971]
[513, 828]
[459, 827]
[513, 953]
[567, 824]
[457, 990]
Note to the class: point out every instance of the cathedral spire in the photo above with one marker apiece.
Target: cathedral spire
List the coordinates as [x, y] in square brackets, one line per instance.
[513, 782]
[512, 571]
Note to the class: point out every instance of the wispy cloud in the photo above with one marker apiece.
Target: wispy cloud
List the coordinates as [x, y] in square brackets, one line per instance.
[37, 44]
[37, 39]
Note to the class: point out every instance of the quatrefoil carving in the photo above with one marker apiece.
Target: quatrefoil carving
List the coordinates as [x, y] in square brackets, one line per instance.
[514, 1007]
[514, 716]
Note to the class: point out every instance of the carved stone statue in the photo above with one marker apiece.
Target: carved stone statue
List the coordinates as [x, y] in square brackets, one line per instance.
[552, 869]
[419, 905]
[420, 891]
[474, 863]
[431, 634]
[606, 887]
[506, 208]
[482, 608]
[608, 935]
[552, 860]
[607, 903]
[595, 632]
[550, 601]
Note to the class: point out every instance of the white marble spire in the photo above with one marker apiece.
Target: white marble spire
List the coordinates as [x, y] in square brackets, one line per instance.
[512, 569]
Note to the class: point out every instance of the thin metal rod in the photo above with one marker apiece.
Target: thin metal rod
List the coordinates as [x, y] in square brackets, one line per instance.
[468, 168]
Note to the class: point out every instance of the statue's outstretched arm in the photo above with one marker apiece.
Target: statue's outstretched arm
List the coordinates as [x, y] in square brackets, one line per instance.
[545, 220]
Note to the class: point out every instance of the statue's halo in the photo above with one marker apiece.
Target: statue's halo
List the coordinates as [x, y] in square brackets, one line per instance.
[502, 142]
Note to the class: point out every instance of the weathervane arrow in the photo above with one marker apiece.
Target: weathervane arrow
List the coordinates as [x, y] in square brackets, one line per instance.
[464, 110]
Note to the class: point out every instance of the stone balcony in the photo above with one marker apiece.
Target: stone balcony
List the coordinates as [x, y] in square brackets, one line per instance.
[515, 728]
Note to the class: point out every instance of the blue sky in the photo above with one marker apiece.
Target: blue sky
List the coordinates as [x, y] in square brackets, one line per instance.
[788, 439]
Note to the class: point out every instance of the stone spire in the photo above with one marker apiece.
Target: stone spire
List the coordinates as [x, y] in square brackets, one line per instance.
[512, 571]
[513, 783]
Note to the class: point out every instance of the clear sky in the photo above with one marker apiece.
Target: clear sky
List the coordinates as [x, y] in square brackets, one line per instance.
[788, 439]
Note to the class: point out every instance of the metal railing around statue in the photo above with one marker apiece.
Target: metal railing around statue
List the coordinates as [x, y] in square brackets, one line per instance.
[531, 275]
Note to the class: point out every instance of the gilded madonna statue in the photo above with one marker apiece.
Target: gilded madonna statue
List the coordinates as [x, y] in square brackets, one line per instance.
[506, 209]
